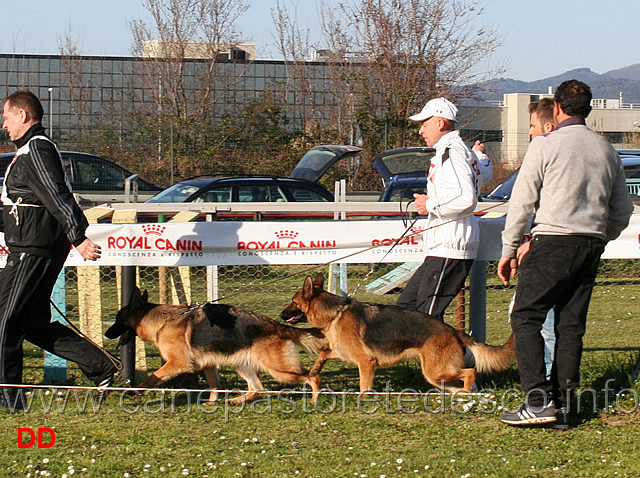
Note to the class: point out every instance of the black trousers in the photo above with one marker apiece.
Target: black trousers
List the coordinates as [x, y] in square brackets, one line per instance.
[26, 284]
[434, 285]
[558, 271]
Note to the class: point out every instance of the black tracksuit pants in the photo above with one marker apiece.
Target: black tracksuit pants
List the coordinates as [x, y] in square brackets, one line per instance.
[558, 271]
[26, 284]
[435, 284]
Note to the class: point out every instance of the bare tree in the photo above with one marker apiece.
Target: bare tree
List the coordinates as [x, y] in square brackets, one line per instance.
[179, 53]
[388, 57]
[75, 85]
[411, 50]
[96, 130]
[325, 120]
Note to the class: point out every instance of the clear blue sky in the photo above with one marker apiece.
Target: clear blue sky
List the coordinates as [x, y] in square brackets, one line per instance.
[541, 38]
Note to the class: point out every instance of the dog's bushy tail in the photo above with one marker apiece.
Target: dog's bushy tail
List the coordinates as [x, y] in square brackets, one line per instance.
[312, 340]
[489, 358]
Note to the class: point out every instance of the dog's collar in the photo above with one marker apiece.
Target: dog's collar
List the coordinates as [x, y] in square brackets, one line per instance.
[195, 306]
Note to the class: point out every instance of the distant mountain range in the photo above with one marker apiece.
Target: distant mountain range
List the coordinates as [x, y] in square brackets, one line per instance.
[607, 85]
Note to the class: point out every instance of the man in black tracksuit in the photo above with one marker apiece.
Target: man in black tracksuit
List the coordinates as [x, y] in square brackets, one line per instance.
[41, 220]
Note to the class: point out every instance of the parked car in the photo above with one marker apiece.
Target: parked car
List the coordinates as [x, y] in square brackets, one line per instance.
[502, 192]
[630, 163]
[94, 179]
[403, 172]
[628, 151]
[242, 189]
[301, 186]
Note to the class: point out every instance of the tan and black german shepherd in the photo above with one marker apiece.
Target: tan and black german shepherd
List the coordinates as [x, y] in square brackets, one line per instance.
[376, 335]
[207, 336]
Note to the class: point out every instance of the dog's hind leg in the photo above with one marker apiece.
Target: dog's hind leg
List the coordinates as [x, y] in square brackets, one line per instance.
[441, 374]
[451, 381]
[283, 364]
[213, 382]
[468, 377]
[254, 385]
[300, 375]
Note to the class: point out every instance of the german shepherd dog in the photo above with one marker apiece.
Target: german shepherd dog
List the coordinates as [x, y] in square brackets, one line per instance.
[204, 337]
[376, 335]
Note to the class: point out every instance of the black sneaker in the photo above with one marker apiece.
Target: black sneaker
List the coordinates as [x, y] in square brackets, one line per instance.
[13, 398]
[562, 419]
[102, 388]
[531, 415]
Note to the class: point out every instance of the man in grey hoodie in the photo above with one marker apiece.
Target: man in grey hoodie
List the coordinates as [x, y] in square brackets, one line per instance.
[573, 179]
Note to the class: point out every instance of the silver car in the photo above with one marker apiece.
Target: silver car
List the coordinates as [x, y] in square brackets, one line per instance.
[96, 180]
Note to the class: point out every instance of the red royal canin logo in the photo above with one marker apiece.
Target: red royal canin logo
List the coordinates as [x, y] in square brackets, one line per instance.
[155, 229]
[413, 238]
[152, 240]
[287, 239]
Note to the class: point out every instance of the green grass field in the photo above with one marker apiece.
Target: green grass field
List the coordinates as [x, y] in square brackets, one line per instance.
[401, 431]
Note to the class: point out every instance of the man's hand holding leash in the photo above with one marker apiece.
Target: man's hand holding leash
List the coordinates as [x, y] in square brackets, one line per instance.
[420, 201]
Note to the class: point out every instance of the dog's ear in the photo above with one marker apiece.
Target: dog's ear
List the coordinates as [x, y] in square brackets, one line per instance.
[137, 298]
[318, 282]
[307, 288]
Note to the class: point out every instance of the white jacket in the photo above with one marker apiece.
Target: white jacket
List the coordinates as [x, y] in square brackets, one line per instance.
[485, 167]
[452, 185]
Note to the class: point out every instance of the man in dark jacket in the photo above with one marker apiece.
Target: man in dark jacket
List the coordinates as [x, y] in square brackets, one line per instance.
[41, 220]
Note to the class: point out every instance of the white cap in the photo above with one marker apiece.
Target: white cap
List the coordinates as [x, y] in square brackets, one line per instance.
[441, 107]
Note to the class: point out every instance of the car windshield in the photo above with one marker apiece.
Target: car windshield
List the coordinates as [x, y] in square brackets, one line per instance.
[314, 163]
[408, 162]
[176, 193]
[631, 167]
[503, 191]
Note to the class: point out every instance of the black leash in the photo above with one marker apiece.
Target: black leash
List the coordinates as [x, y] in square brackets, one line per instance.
[404, 215]
[312, 268]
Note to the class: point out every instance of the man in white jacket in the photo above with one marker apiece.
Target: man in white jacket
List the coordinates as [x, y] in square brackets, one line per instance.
[452, 232]
[485, 166]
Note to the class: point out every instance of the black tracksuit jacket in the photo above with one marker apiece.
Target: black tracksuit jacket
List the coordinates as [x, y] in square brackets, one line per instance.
[39, 212]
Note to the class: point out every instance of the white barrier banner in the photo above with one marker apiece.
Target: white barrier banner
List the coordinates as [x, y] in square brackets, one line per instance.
[245, 243]
[308, 242]
[627, 246]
